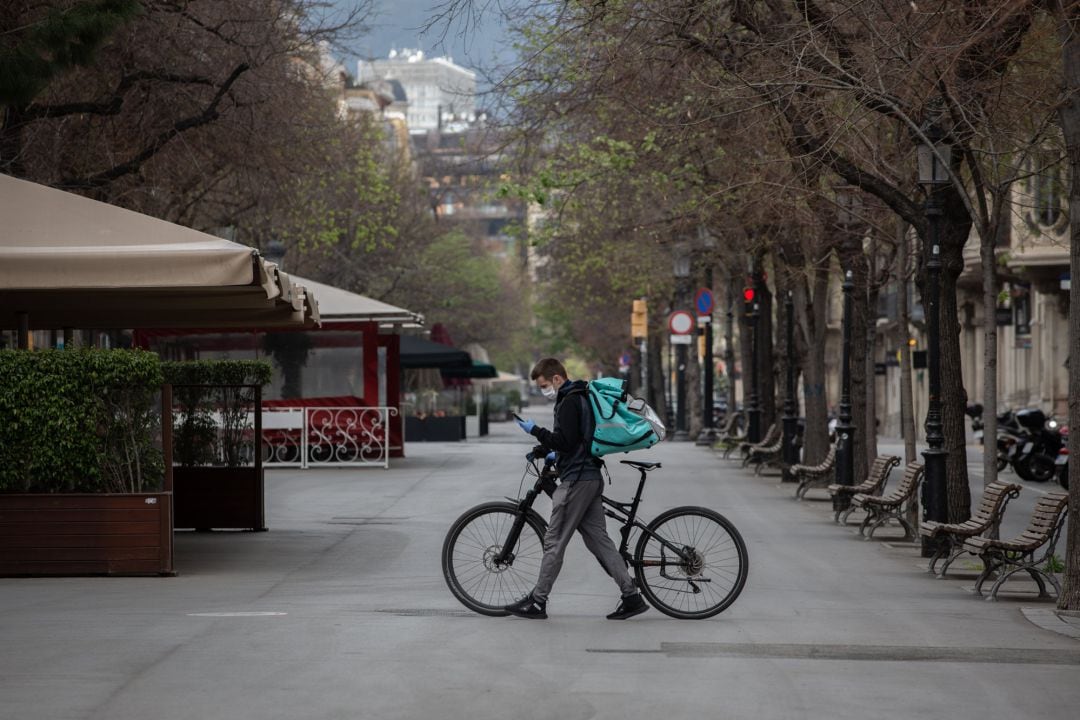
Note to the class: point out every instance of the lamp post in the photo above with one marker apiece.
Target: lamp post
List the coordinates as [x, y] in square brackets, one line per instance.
[790, 452]
[934, 156]
[681, 271]
[845, 431]
[753, 407]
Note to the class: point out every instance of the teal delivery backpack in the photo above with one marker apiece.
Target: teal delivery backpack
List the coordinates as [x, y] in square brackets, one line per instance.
[623, 423]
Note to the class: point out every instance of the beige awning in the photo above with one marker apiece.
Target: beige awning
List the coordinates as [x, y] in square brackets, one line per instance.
[68, 261]
[342, 305]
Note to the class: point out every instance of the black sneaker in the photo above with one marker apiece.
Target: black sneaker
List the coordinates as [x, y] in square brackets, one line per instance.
[526, 607]
[629, 607]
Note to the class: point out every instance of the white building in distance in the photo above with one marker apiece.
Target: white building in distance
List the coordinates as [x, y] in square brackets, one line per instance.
[438, 92]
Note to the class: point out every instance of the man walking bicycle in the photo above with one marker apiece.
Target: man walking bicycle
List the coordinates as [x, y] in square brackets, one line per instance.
[576, 503]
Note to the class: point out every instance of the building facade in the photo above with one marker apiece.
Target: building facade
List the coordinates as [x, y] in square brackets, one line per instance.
[439, 93]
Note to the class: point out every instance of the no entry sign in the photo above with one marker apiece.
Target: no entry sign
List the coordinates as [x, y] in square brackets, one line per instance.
[681, 322]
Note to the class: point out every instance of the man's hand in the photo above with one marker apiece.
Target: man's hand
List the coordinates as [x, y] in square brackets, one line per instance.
[526, 425]
[550, 458]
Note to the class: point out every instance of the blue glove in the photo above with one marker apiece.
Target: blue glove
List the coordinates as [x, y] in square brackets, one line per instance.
[550, 457]
[526, 425]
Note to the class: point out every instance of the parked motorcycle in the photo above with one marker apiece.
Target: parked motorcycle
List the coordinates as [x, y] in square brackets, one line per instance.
[1061, 465]
[1007, 434]
[1034, 455]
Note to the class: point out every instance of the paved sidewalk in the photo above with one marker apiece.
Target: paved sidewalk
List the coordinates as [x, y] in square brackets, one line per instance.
[340, 611]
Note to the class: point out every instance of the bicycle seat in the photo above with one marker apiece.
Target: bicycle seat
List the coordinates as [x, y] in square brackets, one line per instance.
[643, 466]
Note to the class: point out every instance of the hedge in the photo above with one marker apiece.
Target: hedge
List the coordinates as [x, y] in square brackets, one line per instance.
[210, 424]
[83, 420]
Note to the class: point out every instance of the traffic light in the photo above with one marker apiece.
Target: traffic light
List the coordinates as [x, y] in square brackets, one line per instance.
[639, 320]
[748, 295]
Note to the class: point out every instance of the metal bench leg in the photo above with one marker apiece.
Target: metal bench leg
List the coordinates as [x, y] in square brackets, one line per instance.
[909, 532]
[881, 520]
[956, 551]
[866, 520]
[845, 513]
[990, 564]
[942, 546]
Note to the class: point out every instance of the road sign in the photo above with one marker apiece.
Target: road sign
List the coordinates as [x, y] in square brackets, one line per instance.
[681, 322]
[703, 301]
[624, 359]
[680, 339]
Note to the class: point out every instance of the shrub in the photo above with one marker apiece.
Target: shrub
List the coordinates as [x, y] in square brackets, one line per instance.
[210, 411]
[79, 421]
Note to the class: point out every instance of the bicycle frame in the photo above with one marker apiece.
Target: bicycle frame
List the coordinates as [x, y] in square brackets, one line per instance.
[623, 512]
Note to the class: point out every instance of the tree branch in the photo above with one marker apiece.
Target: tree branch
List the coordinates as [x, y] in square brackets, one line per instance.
[208, 115]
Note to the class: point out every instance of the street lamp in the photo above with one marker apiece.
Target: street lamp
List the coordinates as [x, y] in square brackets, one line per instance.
[790, 452]
[934, 157]
[845, 432]
[681, 271]
[753, 407]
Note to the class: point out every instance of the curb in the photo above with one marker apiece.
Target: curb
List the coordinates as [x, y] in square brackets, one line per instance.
[1053, 621]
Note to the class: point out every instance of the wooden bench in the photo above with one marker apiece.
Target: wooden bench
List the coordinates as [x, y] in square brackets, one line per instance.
[762, 456]
[882, 508]
[746, 447]
[951, 536]
[728, 437]
[874, 484]
[1007, 557]
[809, 476]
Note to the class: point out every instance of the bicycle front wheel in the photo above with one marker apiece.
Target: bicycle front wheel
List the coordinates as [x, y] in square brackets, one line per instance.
[469, 555]
[691, 563]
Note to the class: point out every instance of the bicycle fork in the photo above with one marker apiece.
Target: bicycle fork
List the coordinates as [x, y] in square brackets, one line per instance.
[506, 555]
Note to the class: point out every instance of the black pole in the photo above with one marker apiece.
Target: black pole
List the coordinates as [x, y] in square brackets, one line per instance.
[791, 405]
[934, 498]
[681, 430]
[845, 432]
[753, 409]
[708, 432]
[729, 356]
[707, 409]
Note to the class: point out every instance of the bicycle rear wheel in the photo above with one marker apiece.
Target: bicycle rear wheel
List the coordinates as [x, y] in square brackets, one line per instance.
[708, 576]
[469, 551]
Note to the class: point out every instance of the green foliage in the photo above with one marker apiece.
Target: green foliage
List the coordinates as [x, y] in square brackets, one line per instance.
[211, 410]
[355, 204]
[60, 41]
[79, 421]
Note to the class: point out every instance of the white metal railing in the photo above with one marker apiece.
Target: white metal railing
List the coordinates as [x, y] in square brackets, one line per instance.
[326, 436]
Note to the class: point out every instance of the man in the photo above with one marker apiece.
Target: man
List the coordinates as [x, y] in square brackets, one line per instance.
[575, 504]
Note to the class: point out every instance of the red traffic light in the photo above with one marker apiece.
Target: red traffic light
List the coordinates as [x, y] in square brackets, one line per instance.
[748, 295]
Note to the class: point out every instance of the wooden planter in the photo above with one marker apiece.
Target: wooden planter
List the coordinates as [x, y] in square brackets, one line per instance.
[86, 534]
[221, 498]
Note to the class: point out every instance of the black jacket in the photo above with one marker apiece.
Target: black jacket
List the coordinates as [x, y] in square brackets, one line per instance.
[571, 436]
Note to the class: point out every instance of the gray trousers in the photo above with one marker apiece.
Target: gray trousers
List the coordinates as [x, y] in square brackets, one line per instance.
[577, 506]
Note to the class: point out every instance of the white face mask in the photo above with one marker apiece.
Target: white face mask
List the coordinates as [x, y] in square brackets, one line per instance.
[549, 392]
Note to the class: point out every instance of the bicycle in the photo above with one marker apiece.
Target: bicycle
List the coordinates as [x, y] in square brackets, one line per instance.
[689, 562]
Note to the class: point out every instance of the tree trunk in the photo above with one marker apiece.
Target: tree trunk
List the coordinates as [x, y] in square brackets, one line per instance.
[990, 354]
[814, 318]
[955, 230]
[852, 258]
[907, 401]
[1069, 113]
[766, 356]
[729, 343]
[655, 358]
[873, 291]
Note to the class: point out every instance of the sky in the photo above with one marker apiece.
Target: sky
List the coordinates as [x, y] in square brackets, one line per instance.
[397, 23]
